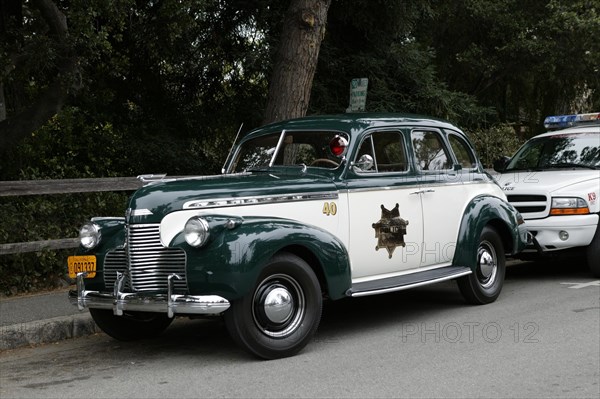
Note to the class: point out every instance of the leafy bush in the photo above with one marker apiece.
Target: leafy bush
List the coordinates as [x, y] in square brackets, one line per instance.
[39, 218]
[494, 142]
[74, 144]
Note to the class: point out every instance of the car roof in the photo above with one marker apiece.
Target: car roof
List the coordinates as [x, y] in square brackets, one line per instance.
[582, 129]
[354, 122]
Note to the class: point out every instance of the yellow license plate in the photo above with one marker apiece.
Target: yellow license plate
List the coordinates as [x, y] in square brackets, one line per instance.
[80, 264]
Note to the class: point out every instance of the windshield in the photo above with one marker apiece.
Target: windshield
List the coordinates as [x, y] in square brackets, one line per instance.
[310, 148]
[560, 151]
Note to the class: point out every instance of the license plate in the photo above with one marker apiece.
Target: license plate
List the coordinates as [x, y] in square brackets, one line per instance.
[80, 264]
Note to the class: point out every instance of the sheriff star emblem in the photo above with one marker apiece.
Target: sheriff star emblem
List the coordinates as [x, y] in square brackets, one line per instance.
[390, 230]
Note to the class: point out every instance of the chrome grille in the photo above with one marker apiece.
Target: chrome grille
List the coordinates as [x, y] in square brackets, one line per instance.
[529, 205]
[115, 261]
[148, 261]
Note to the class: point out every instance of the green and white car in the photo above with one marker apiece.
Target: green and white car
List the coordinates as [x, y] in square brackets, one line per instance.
[306, 210]
[554, 181]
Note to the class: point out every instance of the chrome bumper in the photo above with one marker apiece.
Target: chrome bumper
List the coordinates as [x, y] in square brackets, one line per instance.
[168, 303]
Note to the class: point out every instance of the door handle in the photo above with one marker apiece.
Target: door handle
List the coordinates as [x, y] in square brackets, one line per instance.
[423, 191]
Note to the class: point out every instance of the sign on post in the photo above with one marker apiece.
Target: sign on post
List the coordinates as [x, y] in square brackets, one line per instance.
[358, 94]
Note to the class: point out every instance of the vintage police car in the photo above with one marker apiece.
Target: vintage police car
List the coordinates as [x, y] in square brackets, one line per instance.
[554, 181]
[306, 209]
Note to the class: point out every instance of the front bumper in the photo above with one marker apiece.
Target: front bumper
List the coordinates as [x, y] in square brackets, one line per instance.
[580, 229]
[168, 303]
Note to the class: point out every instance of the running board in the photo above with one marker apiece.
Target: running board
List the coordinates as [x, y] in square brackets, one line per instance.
[406, 281]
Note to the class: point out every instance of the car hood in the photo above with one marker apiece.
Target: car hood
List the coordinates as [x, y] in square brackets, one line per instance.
[152, 202]
[548, 181]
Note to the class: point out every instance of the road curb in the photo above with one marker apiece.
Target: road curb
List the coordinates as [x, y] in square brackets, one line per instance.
[46, 331]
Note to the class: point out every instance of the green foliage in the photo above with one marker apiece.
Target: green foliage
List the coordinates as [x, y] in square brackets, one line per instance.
[493, 142]
[40, 218]
[376, 40]
[525, 59]
[163, 86]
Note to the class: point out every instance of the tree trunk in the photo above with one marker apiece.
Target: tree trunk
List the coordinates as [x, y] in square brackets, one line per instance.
[297, 56]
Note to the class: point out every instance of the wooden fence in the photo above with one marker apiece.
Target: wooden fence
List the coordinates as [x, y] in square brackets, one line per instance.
[64, 186]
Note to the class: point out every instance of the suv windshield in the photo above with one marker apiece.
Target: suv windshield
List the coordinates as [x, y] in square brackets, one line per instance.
[310, 148]
[559, 151]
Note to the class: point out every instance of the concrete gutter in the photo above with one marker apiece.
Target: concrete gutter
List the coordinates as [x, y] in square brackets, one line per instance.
[41, 319]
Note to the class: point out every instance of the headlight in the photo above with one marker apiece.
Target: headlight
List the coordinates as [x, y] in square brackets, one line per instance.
[569, 206]
[89, 235]
[196, 231]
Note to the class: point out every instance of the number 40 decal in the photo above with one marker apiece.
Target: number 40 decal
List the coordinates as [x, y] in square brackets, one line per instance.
[329, 208]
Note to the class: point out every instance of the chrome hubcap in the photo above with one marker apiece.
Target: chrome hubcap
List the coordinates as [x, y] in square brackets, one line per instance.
[279, 306]
[486, 264]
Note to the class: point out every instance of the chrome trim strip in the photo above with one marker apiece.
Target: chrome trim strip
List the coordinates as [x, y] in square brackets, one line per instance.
[151, 178]
[405, 287]
[259, 200]
[107, 218]
[279, 143]
[161, 303]
[141, 212]
[416, 184]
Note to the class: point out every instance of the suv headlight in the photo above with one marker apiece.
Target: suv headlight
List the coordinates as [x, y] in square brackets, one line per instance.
[569, 206]
[196, 231]
[89, 235]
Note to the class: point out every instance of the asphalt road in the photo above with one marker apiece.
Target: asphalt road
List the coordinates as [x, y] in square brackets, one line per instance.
[540, 339]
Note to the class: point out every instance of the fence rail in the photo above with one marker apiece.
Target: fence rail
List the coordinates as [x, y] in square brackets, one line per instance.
[64, 186]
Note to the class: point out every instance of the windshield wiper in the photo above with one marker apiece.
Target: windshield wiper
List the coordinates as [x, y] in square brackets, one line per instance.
[536, 169]
[570, 165]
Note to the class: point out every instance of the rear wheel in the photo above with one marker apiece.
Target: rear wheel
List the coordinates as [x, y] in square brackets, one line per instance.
[281, 314]
[132, 325]
[485, 283]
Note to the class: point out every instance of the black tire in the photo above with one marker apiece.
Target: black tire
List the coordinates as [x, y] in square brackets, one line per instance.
[593, 254]
[282, 329]
[131, 326]
[485, 283]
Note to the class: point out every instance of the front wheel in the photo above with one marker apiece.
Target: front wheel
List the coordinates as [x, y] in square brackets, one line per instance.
[485, 283]
[132, 325]
[282, 312]
[593, 254]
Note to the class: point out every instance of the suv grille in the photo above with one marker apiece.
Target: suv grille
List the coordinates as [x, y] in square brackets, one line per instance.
[528, 204]
[148, 261]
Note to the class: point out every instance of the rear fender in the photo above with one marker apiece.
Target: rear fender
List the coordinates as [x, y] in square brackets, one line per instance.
[488, 210]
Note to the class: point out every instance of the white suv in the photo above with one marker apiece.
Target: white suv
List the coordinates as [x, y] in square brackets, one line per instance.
[554, 182]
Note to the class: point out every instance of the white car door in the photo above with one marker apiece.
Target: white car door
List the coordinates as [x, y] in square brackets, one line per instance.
[442, 191]
[386, 225]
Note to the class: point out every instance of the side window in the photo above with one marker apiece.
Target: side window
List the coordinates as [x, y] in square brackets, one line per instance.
[430, 152]
[462, 151]
[365, 158]
[382, 152]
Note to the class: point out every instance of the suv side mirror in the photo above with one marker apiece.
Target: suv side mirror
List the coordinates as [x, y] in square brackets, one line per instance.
[500, 164]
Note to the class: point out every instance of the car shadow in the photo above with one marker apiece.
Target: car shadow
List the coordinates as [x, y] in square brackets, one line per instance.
[209, 340]
[550, 268]
[342, 319]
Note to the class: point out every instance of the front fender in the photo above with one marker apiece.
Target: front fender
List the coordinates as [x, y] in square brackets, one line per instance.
[231, 262]
[113, 233]
[488, 210]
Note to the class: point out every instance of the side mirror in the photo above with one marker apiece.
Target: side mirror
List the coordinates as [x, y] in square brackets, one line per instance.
[501, 163]
[365, 163]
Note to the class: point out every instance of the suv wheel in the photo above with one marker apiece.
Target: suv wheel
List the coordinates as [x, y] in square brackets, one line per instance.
[593, 254]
